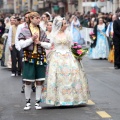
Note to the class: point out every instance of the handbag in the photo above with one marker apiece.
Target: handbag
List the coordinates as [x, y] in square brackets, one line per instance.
[111, 55]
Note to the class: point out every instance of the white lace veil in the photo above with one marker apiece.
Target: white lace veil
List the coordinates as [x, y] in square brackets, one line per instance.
[49, 16]
[57, 24]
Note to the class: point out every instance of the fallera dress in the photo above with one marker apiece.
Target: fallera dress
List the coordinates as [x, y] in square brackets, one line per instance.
[101, 50]
[66, 82]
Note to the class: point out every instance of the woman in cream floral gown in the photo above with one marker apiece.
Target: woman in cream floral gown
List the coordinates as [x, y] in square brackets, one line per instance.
[66, 82]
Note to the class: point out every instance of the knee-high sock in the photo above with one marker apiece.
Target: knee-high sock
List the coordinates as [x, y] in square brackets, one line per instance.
[38, 92]
[27, 92]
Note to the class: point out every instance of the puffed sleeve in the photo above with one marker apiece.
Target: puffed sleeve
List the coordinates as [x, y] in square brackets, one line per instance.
[69, 37]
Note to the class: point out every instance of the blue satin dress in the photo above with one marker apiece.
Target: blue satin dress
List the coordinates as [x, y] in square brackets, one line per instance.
[101, 50]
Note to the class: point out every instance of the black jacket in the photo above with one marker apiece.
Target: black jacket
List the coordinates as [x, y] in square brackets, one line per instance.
[2, 29]
[116, 35]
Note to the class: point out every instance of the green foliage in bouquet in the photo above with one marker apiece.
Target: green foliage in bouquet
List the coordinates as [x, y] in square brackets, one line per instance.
[78, 51]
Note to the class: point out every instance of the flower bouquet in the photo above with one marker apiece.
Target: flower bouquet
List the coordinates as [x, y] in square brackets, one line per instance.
[92, 36]
[78, 51]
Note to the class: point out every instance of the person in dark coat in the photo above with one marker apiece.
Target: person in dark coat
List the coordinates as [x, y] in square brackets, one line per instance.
[116, 41]
[2, 29]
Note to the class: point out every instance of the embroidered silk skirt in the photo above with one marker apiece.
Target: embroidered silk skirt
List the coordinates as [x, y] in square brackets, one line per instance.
[66, 82]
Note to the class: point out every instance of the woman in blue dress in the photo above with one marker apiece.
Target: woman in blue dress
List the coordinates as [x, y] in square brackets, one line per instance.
[99, 48]
[75, 31]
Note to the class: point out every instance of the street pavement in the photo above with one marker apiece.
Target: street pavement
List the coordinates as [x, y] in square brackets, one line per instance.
[104, 103]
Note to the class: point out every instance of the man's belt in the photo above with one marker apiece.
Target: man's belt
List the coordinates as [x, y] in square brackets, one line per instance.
[40, 58]
[33, 56]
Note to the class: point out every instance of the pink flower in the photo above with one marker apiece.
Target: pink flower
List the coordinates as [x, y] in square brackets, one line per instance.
[75, 47]
[79, 52]
[75, 43]
[91, 33]
[79, 46]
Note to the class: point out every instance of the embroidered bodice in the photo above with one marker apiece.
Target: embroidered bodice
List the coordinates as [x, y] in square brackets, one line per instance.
[62, 45]
[101, 27]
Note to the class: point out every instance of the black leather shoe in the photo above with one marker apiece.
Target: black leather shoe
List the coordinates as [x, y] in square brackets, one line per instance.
[33, 87]
[19, 74]
[23, 89]
[116, 67]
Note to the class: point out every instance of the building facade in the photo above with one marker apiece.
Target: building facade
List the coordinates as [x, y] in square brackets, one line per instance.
[8, 6]
[63, 5]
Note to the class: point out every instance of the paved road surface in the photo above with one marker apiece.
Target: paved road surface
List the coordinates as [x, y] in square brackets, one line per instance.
[104, 83]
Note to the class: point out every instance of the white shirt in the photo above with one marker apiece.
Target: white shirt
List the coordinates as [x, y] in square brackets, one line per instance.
[19, 44]
[19, 28]
[109, 30]
[10, 37]
[27, 42]
[42, 25]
